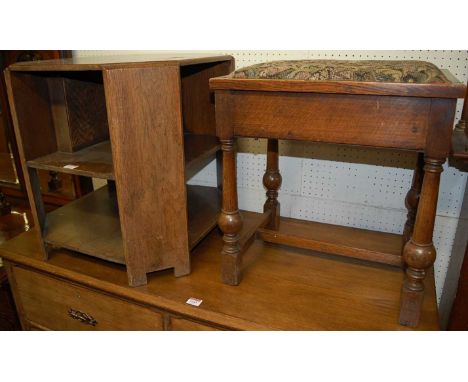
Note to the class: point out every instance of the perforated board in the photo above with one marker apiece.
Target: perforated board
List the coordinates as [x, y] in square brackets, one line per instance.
[351, 186]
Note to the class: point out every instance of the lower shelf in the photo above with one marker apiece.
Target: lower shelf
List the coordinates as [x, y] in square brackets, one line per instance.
[204, 204]
[380, 247]
[91, 224]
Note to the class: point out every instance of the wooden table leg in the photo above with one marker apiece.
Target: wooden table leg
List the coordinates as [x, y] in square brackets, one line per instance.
[412, 199]
[272, 182]
[230, 219]
[419, 253]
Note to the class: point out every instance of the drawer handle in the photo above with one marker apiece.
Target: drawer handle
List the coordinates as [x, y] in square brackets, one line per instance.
[83, 317]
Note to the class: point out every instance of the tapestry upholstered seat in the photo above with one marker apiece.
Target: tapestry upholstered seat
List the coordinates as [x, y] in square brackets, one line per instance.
[419, 72]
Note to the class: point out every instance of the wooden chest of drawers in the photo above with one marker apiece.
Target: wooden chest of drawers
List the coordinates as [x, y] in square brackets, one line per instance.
[283, 288]
[50, 303]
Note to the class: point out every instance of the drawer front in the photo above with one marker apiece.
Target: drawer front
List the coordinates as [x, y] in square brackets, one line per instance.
[57, 305]
[187, 325]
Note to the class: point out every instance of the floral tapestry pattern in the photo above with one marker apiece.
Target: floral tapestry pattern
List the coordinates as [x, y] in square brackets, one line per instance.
[419, 72]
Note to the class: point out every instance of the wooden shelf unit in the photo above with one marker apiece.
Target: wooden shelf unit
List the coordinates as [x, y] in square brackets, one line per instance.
[145, 126]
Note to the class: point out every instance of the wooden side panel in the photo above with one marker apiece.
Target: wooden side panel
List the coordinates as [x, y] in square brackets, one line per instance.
[197, 101]
[30, 110]
[145, 124]
[398, 122]
[439, 137]
[30, 106]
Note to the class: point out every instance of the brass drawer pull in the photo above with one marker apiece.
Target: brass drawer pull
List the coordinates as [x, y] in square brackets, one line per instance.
[83, 317]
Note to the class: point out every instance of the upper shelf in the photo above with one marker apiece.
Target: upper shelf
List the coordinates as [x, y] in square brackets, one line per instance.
[96, 161]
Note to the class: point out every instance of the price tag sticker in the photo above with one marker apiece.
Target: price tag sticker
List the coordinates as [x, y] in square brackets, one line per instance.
[194, 301]
[71, 166]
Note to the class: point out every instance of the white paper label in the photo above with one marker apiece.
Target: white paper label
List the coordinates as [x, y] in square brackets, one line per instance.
[70, 166]
[194, 301]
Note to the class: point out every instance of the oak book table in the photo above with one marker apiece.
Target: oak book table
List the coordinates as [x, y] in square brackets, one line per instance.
[144, 123]
[407, 105]
[283, 288]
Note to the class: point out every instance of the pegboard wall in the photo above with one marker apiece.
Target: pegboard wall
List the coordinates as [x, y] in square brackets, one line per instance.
[356, 187]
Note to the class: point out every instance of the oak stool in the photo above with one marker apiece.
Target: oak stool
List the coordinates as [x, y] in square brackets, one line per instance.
[407, 105]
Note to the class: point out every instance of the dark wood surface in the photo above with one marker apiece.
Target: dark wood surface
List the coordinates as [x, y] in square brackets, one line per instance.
[199, 150]
[394, 115]
[150, 153]
[375, 246]
[11, 225]
[118, 61]
[81, 98]
[452, 89]
[93, 161]
[155, 189]
[96, 160]
[460, 144]
[91, 224]
[319, 118]
[459, 314]
[198, 108]
[283, 288]
[8, 316]
[88, 225]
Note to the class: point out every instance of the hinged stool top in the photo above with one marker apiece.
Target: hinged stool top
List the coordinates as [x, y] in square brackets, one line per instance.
[376, 77]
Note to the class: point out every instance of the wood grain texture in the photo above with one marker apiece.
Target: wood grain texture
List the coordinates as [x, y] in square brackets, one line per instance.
[203, 204]
[440, 128]
[199, 151]
[412, 199]
[283, 287]
[89, 225]
[147, 150]
[109, 313]
[94, 161]
[181, 324]
[140, 103]
[29, 104]
[197, 101]
[28, 100]
[459, 314]
[394, 122]
[451, 90]
[86, 108]
[78, 108]
[419, 253]
[460, 144]
[118, 61]
[379, 247]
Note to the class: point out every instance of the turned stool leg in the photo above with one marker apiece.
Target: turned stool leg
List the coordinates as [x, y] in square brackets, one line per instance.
[412, 199]
[230, 219]
[272, 182]
[419, 253]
